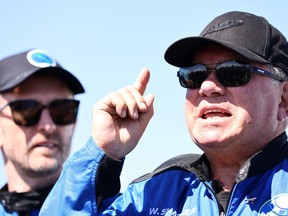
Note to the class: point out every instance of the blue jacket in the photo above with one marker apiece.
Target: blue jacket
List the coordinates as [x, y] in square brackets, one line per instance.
[89, 185]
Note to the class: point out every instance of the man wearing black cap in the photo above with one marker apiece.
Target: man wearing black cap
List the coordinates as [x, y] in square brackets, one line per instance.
[37, 118]
[236, 109]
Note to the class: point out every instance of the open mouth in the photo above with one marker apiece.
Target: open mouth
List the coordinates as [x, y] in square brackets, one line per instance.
[48, 145]
[210, 114]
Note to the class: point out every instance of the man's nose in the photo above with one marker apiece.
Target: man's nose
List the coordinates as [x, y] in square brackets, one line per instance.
[45, 122]
[211, 86]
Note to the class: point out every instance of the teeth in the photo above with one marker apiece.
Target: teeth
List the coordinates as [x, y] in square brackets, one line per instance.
[209, 114]
[211, 117]
[212, 111]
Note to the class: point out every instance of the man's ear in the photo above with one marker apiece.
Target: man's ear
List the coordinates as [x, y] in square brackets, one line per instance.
[283, 106]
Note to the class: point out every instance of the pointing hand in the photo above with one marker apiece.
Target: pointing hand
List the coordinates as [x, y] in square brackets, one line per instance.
[120, 118]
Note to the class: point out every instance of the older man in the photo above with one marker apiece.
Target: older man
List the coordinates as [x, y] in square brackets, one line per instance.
[37, 118]
[236, 107]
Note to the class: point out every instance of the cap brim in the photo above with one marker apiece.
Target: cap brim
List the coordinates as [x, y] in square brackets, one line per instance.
[181, 52]
[72, 82]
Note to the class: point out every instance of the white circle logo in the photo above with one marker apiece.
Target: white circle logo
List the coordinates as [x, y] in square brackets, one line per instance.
[39, 58]
[278, 205]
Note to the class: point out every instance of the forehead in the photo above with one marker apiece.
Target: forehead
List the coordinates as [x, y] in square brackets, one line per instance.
[216, 53]
[40, 86]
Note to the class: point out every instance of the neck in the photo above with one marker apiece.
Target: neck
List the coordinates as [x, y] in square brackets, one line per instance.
[227, 180]
[224, 170]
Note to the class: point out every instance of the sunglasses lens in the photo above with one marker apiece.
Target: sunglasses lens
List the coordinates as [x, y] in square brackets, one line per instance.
[192, 77]
[25, 112]
[28, 112]
[233, 74]
[64, 111]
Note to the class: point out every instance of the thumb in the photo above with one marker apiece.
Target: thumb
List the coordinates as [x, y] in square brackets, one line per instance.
[149, 100]
[147, 115]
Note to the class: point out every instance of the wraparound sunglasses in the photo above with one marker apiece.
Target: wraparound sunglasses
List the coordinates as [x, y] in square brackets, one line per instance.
[229, 74]
[28, 112]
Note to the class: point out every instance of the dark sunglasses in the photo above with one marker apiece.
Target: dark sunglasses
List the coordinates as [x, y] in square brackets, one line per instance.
[229, 74]
[28, 112]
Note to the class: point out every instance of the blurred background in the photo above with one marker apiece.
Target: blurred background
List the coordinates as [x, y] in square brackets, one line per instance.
[106, 43]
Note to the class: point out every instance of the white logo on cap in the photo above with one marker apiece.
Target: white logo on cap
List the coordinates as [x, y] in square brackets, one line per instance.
[39, 58]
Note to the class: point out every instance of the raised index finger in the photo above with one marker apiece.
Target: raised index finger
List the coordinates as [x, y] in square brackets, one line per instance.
[142, 80]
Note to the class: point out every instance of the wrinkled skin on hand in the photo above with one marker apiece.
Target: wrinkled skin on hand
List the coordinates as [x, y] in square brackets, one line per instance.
[120, 118]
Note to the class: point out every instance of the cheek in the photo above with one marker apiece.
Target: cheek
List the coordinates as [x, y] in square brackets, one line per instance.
[191, 99]
[66, 140]
[14, 143]
[190, 111]
[261, 106]
[66, 135]
[10, 133]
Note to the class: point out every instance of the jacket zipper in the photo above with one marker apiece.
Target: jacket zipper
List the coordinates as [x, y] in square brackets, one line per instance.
[229, 198]
[218, 203]
[221, 213]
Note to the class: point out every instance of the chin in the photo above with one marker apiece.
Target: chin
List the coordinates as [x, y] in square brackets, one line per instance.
[211, 139]
[43, 171]
[46, 167]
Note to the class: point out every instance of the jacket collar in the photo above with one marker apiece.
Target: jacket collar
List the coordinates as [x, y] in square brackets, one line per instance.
[27, 201]
[274, 152]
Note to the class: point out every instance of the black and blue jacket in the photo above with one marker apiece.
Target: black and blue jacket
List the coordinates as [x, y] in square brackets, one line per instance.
[89, 185]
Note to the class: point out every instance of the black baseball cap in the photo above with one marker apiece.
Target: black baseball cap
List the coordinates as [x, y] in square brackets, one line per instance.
[247, 34]
[17, 68]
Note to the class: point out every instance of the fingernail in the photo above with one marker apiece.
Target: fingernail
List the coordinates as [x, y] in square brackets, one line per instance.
[135, 114]
[123, 113]
[143, 106]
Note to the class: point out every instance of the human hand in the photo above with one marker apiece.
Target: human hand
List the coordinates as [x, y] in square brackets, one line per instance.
[120, 118]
